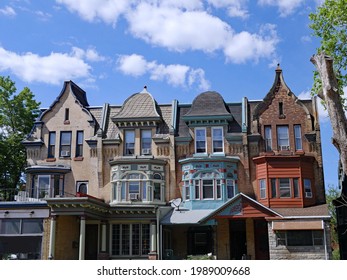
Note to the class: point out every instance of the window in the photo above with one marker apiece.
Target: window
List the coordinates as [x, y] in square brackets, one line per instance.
[296, 187]
[299, 238]
[230, 188]
[280, 108]
[268, 138]
[130, 239]
[307, 187]
[65, 144]
[197, 189]
[82, 187]
[200, 140]
[136, 186]
[79, 144]
[186, 190]
[67, 113]
[43, 186]
[283, 138]
[284, 187]
[207, 189]
[51, 144]
[21, 226]
[207, 185]
[297, 135]
[273, 188]
[146, 142]
[262, 188]
[129, 142]
[217, 140]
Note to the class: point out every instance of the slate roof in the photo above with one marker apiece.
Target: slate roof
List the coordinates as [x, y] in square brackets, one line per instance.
[208, 103]
[138, 106]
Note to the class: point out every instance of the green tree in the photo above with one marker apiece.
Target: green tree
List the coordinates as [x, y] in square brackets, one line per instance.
[329, 23]
[17, 115]
[331, 194]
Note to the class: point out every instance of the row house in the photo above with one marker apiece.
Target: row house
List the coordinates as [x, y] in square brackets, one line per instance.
[144, 180]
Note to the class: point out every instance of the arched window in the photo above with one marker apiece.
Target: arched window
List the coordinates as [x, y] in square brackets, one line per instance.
[207, 185]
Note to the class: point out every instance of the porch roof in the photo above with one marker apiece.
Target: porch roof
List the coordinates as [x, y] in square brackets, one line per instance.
[185, 216]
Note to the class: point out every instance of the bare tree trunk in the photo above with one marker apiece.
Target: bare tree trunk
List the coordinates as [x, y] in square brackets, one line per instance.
[332, 98]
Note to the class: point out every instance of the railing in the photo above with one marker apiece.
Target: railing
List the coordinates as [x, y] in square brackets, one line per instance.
[10, 194]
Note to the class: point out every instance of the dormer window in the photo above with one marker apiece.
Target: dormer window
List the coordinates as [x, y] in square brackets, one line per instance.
[217, 140]
[129, 142]
[146, 142]
[200, 140]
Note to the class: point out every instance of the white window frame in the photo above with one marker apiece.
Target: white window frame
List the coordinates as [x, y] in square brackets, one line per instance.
[262, 188]
[219, 128]
[127, 141]
[283, 137]
[200, 140]
[145, 149]
[281, 187]
[46, 190]
[268, 137]
[297, 137]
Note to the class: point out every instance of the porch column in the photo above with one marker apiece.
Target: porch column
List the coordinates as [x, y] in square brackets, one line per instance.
[103, 254]
[82, 237]
[52, 238]
[153, 254]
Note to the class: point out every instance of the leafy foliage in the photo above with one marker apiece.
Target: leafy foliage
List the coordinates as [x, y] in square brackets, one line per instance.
[329, 23]
[332, 193]
[17, 115]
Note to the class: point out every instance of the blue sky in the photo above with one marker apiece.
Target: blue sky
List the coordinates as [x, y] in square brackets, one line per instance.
[177, 48]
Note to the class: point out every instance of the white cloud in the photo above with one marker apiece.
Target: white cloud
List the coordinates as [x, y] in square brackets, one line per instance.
[177, 29]
[107, 10]
[177, 75]
[285, 7]
[51, 69]
[43, 16]
[245, 46]
[181, 26]
[235, 8]
[90, 54]
[8, 11]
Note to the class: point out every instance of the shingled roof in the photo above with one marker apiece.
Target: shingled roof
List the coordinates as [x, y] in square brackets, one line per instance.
[209, 103]
[139, 106]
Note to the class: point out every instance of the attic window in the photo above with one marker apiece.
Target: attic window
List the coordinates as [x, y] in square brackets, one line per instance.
[66, 117]
[280, 110]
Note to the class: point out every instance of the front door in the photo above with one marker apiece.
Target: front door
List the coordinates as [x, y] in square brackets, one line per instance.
[238, 245]
[91, 249]
[261, 236]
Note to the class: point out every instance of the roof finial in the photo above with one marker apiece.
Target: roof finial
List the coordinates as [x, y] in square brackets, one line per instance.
[278, 69]
[144, 90]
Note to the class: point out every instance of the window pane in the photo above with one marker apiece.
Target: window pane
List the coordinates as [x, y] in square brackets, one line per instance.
[10, 226]
[284, 186]
[268, 138]
[43, 186]
[230, 188]
[125, 239]
[116, 238]
[135, 234]
[299, 238]
[129, 142]
[217, 140]
[146, 141]
[273, 188]
[296, 187]
[65, 138]
[207, 190]
[197, 189]
[297, 134]
[32, 226]
[145, 239]
[308, 189]
[262, 185]
[282, 136]
[200, 140]
[156, 193]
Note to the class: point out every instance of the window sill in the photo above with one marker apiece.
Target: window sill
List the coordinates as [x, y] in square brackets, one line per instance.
[78, 158]
[51, 159]
[66, 122]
